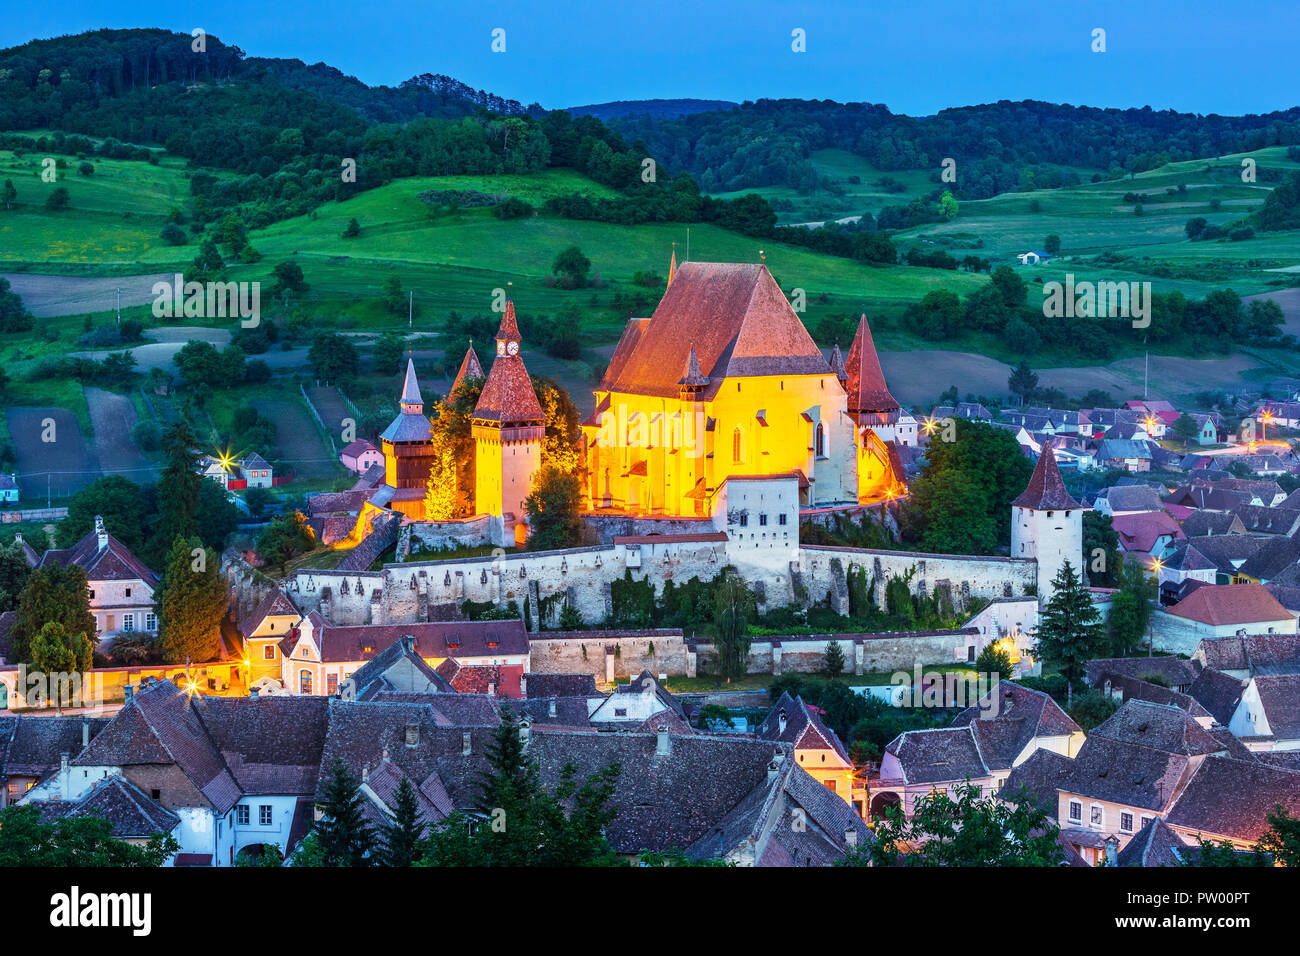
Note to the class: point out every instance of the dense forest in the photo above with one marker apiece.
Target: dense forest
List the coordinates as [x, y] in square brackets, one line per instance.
[998, 146]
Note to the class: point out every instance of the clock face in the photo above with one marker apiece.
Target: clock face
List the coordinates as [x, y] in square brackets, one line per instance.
[512, 348]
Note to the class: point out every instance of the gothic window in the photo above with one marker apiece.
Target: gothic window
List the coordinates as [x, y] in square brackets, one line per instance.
[737, 446]
[821, 441]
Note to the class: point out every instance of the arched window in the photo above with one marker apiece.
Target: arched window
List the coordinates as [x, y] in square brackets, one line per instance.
[737, 446]
[821, 441]
[304, 681]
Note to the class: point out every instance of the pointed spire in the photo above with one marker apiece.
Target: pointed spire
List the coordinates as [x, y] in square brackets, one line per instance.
[1046, 490]
[672, 267]
[693, 377]
[509, 331]
[837, 363]
[866, 381]
[411, 388]
[470, 367]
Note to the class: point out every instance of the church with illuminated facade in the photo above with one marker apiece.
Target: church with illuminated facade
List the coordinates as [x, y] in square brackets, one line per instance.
[721, 382]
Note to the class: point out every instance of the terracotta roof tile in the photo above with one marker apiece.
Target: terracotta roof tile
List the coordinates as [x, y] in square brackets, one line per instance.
[1231, 604]
[866, 381]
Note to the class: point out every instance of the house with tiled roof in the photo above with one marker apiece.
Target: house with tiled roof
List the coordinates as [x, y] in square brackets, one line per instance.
[1268, 715]
[33, 747]
[317, 657]
[1168, 669]
[633, 703]
[1231, 799]
[263, 628]
[9, 488]
[132, 815]
[1245, 655]
[1218, 693]
[1146, 534]
[1126, 453]
[257, 471]
[1156, 844]
[1210, 523]
[1219, 611]
[722, 380]
[360, 456]
[1128, 499]
[397, 669]
[121, 586]
[817, 748]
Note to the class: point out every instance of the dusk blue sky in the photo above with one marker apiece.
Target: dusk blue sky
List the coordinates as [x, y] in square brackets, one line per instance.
[915, 57]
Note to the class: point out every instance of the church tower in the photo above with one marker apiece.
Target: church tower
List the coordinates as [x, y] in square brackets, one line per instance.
[408, 452]
[508, 425]
[875, 413]
[1047, 524]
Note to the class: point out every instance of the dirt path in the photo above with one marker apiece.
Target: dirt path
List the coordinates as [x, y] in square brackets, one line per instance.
[331, 408]
[46, 295]
[66, 462]
[299, 440]
[112, 416]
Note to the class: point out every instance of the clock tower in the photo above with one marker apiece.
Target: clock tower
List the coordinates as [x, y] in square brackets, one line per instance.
[508, 425]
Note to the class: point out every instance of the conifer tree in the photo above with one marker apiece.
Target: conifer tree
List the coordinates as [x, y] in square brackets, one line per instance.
[344, 836]
[193, 599]
[403, 836]
[53, 594]
[834, 659]
[178, 489]
[1070, 630]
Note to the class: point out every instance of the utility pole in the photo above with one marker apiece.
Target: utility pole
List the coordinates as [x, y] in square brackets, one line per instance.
[410, 314]
[119, 305]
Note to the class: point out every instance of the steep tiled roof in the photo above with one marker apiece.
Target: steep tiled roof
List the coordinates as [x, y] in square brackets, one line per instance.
[1161, 726]
[1217, 692]
[1279, 695]
[1021, 715]
[411, 387]
[1127, 773]
[560, 685]
[1131, 688]
[936, 756]
[1178, 673]
[1274, 557]
[1233, 798]
[736, 318]
[437, 639]
[1132, 498]
[113, 562]
[1046, 490]
[1256, 653]
[508, 395]
[1141, 530]
[802, 727]
[31, 745]
[1231, 604]
[1040, 775]
[1155, 845]
[275, 604]
[470, 367]
[866, 381]
[1268, 520]
[128, 809]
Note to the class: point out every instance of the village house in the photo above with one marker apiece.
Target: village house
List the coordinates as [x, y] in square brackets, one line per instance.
[257, 471]
[1229, 799]
[1268, 714]
[121, 587]
[359, 456]
[817, 748]
[1124, 453]
[1221, 610]
[31, 747]
[1243, 656]
[9, 489]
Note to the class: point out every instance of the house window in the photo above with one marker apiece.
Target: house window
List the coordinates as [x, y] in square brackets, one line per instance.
[268, 652]
[762, 521]
[1076, 811]
[304, 681]
[332, 684]
[154, 794]
[241, 815]
[1097, 815]
[620, 711]
[737, 446]
[781, 518]
[744, 519]
[264, 814]
[830, 785]
[150, 622]
[821, 441]
[92, 594]
[128, 623]
[1126, 822]
[128, 592]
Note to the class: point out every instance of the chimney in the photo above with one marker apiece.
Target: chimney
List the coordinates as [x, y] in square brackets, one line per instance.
[781, 720]
[408, 643]
[550, 708]
[663, 744]
[1112, 850]
[64, 777]
[85, 734]
[523, 686]
[851, 837]
[525, 732]
[412, 735]
[100, 533]
[464, 744]
[252, 693]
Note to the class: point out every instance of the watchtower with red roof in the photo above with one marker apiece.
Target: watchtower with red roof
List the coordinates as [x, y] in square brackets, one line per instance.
[1047, 524]
[507, 425]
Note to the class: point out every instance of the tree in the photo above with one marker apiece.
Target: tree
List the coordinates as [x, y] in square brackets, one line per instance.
[572, 266]
[994, 659]
[58, 200]
[402, 838]
[82, 841]
[192, 601]
[393, 298]
[333, 357]
[1282, 838]
[1130, 609]
[14, 316]
[1010, 286]
[56, 594]
[8, 194]
[1069, 629]
[353, 229]
[346, 839]
[118, 501]
[834, 659]
[734, 605]
[1101, 557]
[179, 491]
[1052, 244]
[51, 653]
[388, 354]
[554, 510]
[1023, 381]
[441, 497]
[288, 536]
[947, 205]
[173, 235]
[288, 279]
[966, 831]
[1186, 428]
[14, 573]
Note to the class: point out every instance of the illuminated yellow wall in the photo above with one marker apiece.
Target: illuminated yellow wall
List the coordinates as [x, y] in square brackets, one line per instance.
[671, 468]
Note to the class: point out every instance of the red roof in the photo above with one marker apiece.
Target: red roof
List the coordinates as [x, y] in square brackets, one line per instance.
[508, 394]
[733, 315]
[1046, 488]
[1139, 531]
[1229, 604]
[469, 368]
[866, 382]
